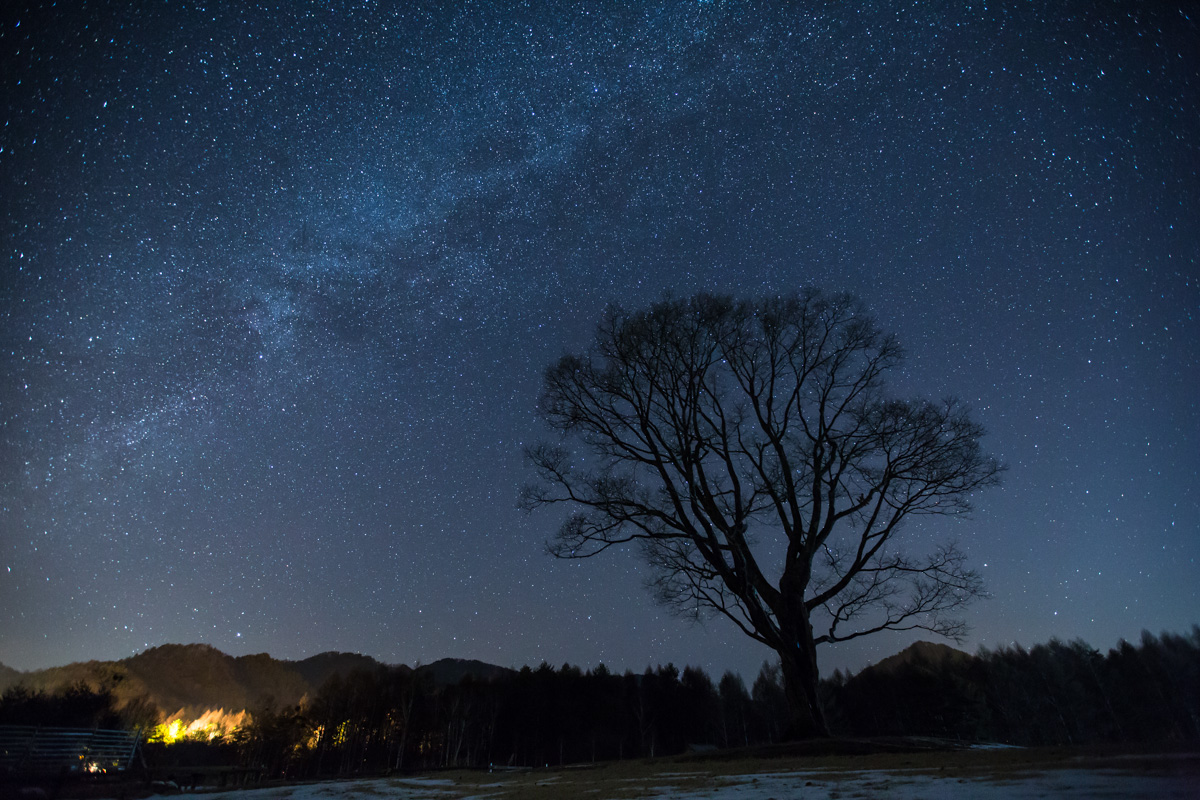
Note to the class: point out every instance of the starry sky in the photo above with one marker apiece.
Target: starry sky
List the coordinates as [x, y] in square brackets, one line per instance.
[279, 282]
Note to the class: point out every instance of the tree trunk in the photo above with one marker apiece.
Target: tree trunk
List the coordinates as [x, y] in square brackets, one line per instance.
[798, 662]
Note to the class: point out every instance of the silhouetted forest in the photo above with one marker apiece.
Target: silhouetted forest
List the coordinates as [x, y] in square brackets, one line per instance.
[394, 719]
[1058, 693]
[76, 705]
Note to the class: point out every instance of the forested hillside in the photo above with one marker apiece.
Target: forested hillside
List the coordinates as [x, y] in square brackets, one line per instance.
[194, 678]
[374, 717]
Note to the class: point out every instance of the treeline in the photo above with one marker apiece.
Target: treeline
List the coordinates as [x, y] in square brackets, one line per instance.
[76, 705]
[389, 719]
[1052, 694]
[1060, 693]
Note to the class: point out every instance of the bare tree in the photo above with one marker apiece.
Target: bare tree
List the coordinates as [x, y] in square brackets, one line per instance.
[750, 448]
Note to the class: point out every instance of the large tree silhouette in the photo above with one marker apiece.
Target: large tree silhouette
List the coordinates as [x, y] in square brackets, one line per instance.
[751, 449]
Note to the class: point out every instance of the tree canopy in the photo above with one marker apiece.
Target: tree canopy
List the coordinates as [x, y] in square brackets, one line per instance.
[752, 450]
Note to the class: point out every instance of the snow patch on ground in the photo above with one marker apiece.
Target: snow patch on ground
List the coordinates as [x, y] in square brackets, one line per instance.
[1069, 784]
[1052, 784]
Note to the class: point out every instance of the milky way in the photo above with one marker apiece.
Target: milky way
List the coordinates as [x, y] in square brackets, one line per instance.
[278, 285]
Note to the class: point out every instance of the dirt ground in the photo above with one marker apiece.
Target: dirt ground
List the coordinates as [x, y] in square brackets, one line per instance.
[842, 771]
[981, 773]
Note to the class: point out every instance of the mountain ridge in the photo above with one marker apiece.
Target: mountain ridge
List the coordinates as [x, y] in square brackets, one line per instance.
[189, 679]
[921, 654]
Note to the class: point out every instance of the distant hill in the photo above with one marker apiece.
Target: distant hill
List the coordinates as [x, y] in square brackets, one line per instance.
[9, 677]
[95, 673]
[194, 678]
[448, 671]
[319, 668]
[927, 654]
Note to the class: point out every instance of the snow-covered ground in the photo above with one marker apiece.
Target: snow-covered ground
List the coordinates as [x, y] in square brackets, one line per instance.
[916, 786]
[1054, 784]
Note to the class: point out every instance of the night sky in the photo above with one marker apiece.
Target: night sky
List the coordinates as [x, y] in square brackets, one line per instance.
[278, 285]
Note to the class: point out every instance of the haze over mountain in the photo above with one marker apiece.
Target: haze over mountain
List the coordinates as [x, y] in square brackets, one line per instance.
[193, 678]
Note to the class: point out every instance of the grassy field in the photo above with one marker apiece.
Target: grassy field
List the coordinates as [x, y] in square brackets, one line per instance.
[793, 773]
[839, 770]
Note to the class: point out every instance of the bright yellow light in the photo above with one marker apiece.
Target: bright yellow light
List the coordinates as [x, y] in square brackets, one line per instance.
[215, 723]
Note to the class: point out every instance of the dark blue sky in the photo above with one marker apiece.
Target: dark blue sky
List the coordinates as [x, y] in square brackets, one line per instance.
[278, 285]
